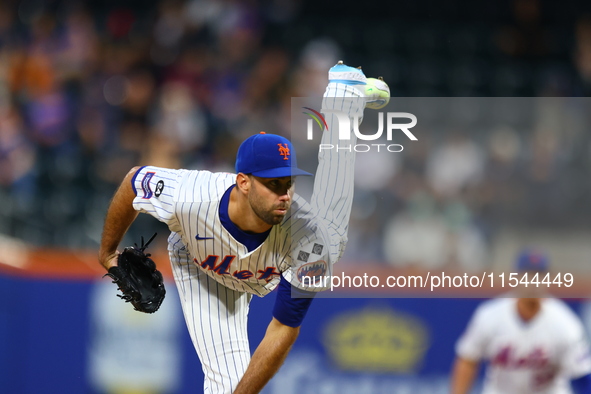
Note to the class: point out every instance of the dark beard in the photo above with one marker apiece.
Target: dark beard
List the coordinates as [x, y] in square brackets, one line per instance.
[268, 217]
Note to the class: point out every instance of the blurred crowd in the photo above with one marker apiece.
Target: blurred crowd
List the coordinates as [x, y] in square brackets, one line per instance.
[89, 89]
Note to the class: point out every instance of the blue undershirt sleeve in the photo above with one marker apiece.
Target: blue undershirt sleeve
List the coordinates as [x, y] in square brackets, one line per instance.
[582, 385]
[291, 311]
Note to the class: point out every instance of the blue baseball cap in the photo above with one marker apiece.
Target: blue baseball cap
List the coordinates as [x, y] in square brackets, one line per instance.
[532, 260]
[267, 156]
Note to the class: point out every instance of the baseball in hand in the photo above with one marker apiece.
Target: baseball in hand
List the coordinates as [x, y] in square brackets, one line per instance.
[377, 93]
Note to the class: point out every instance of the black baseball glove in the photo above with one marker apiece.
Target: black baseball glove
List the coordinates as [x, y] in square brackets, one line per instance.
[138, 279]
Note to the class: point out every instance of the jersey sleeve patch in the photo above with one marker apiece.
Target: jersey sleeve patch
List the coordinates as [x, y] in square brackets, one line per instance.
[159, 188]
[156, 191]
[134, 177]
[312, 272]
[317, 249]
[146, 185]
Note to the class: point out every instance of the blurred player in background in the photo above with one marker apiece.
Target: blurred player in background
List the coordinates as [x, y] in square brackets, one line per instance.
[233, 236]
[532, 345]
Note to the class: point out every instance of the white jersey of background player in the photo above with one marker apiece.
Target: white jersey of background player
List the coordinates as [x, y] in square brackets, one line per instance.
[235, 235]
[532, 345]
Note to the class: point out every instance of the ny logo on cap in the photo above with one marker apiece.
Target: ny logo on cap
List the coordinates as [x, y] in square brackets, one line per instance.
[283, 150]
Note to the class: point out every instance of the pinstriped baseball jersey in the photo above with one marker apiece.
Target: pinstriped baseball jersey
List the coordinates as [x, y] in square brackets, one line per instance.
[311, 238]
[189, 203]
[538, 356]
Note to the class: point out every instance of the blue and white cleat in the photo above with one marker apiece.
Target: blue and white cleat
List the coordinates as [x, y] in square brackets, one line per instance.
[340, 73]
[376, 91]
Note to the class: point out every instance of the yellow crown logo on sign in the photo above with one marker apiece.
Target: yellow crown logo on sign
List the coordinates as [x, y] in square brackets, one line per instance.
[379, 340]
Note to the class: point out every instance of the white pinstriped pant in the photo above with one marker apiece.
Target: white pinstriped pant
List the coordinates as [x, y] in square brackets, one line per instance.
[216, 317]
